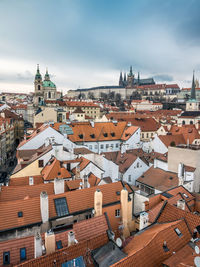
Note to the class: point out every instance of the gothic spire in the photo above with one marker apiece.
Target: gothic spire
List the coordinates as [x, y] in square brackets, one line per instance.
[131, 71]
[193, 92]
[124, 76]
[138, 79]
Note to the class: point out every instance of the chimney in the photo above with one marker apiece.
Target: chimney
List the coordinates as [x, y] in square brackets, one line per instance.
[98, 197]
[169, 127]
[85, 181]
[181, 204]
[123, 148]
[180, 170]
[92, 123]
[38, 246]
[59, 186]
[50, 242]
[144, 220]
[44, 207]
[77, 175]
[124, 211]
[71, 238]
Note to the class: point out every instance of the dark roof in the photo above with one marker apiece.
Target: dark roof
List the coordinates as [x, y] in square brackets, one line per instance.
[107, 255]
[101, 87]
[191, 113]
[144, 81]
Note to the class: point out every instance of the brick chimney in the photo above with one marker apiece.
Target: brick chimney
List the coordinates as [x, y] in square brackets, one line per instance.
[44, 207]
[59, 186]
[50, 242]
[71, 238]
[98, 199]
[125, 212]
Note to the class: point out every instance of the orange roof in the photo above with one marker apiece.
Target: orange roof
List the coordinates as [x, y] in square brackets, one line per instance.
[11, 193]
[73, 184]
[129, 132]
[81, 104]
[178, 139]
[159, 179]
[93, 180]
[146, 247]
[25, 180]
[53, 169]
[189, 132]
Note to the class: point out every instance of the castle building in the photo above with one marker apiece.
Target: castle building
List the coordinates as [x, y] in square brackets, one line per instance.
[131, 81]
[44, 89]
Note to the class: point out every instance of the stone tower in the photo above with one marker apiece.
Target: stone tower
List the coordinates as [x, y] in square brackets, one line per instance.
[38, 97]
[130, 79]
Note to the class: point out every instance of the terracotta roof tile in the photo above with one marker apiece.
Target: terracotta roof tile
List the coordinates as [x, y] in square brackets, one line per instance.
[25, 180]
[146, 248]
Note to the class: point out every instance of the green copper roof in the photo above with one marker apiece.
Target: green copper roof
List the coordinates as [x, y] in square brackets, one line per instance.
[48, 84]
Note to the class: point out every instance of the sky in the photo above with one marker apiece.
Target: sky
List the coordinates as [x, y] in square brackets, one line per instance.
[86, 43]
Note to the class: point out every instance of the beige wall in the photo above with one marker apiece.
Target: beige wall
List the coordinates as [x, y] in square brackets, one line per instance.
[186, 156]
[47, 114]
[30, 170]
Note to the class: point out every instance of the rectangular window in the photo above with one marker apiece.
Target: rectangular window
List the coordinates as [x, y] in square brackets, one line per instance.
[102, 146]
[90, 146]
[96, 146]
[129, 178]
[117, 213]
[61, 206]
[111, 145]
[6, 257]
[41, 163]
[107, 145]
[22, 254]
[59, 244]
[117, 145]
[88, 216]
[178, 232]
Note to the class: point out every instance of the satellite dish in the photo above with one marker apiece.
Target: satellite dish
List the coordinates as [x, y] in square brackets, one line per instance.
[119, 242]
[197, 261]
[197, 249]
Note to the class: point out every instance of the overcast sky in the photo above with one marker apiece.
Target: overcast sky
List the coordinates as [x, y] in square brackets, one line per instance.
[86, 43]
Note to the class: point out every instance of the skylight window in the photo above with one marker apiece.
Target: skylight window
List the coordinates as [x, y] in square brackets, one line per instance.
[185, 195]
[20, 214]
[59, 244]
[61, 206]
[178, 232]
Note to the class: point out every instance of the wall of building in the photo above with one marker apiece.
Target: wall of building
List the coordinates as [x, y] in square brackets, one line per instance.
[158, 146]
[47, 114]
[139, 202]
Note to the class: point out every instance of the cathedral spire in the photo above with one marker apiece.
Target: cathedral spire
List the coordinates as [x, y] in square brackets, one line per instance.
[46, 77]
[124, 76]
[193, 91]
[138, 79]
[38, 75]
[120, 79]
[131, 71]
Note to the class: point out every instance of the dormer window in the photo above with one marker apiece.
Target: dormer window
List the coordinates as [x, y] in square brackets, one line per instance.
[92, 136]
[80, 136]
[20, 214]
[105, 135]
[112, 134]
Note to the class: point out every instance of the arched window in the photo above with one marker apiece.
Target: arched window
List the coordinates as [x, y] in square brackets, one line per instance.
[183, 122]
[49, 94]
[39, 99]
[38, 87]
[191, 122]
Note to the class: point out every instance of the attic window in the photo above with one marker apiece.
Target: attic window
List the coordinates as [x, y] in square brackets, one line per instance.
[59, 173]
[59, 244]
[126, 134]
[92, 136]
[165, 247]
[80, 136]
[105, 134]
[117, 193]
[20, 214]
[178, 232]
[112, 134]
[171, 178]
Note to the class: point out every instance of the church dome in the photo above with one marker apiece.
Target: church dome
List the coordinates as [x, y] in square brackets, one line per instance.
[48, 84]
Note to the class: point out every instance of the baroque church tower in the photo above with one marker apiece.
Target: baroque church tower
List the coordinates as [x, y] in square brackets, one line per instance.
[44, 90]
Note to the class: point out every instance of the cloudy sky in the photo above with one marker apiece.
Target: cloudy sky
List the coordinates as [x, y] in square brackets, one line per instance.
[86, 43]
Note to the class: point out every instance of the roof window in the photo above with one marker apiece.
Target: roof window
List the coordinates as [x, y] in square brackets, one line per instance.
[20, 214]
[112, 134]
[61, 206]
[178, 232]
[80, 136]
[59, 244]
[185, 195]
[92, 135]
[105, 134]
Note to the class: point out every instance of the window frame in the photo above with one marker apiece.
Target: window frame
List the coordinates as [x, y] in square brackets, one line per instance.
[6, 253]
[22, 259]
